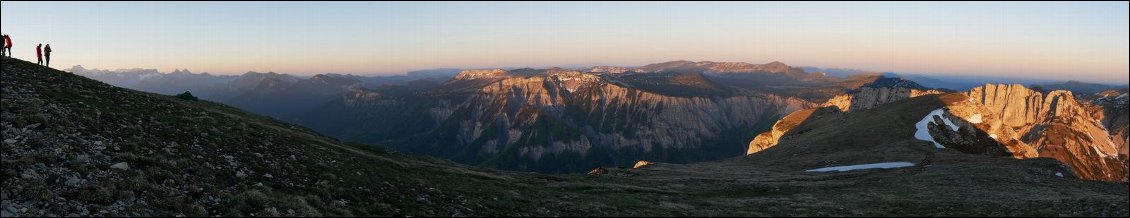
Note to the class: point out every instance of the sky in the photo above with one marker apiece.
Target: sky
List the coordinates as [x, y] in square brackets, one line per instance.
[1085, 41]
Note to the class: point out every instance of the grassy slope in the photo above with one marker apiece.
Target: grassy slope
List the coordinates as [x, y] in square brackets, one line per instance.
[185, 158]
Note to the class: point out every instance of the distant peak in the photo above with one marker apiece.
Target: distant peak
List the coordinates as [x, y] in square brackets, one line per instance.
[479, 74]
[718, 67]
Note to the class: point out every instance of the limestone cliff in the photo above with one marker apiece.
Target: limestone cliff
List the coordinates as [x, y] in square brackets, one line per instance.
[1117, 116]
[1026, 122]
[557, 120]
[881, 91]
[1057, 126]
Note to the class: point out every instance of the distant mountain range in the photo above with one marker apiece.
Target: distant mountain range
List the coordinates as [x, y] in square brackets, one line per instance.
[968, 82]
[78, 147]
[273, 94]
[554, 120]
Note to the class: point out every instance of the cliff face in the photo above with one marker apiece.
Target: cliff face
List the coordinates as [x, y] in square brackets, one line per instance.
[558, 120]
[1117, 116]
[870, 97]
[1058, 126]
[1026, 122]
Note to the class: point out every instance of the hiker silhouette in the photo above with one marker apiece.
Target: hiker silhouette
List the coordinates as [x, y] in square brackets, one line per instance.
[47, 53]
[39, 54]
[7, 45]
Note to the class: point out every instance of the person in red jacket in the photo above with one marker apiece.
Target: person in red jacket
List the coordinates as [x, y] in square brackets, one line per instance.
[8, 44]
[39, 54]
[47, 54]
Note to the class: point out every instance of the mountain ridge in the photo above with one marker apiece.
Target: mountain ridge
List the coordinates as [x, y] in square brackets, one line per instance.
[77, 147]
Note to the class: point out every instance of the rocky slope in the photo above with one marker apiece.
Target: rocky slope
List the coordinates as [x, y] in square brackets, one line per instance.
[880, 91]
[1025, 123]
[77, 147]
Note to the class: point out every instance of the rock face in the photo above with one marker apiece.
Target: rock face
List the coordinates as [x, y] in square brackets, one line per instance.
[1115, 109]
[868, 97]
[642, 163]
[1025, 122]
[883, 90]
[1057, 126]
[556, 120]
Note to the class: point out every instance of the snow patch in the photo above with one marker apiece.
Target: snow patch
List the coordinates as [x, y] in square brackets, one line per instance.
[994, 136]
[1059, 174]
[975, 119]
[923, 132]
[1121, 96]
[888, 165]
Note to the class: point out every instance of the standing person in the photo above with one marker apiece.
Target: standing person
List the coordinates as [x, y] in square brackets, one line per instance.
[8, 44]
[47, 54]
[4, 52]
[39, 54]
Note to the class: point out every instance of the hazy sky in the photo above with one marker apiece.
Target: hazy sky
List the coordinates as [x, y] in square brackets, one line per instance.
[1055, 40]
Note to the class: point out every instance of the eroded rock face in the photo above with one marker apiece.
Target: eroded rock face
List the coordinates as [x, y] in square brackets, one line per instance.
[881, 91]
[868, 97]
[1055, 125]
[1026, 122]
[971, 115]
[1029, 112]
[1117, 116]
[550, 120]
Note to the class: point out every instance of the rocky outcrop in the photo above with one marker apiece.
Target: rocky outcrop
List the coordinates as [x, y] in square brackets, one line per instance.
[868, 97]
[641, 164]
[1023, 123]
[1027, 110]
[1117, 116]
[1055, 125]
[598, 171]
[971, 115]
[878, 92]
